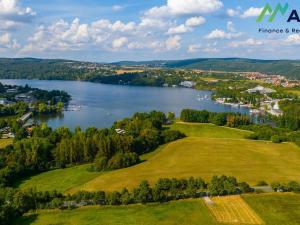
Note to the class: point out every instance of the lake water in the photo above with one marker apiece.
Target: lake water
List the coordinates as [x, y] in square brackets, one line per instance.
[103, 104]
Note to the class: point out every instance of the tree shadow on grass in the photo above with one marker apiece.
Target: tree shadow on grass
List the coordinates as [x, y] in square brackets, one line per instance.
[26, 220]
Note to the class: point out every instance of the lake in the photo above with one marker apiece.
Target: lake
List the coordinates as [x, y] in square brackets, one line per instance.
[102, 104]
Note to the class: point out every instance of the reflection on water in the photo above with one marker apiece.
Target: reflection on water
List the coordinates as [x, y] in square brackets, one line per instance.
[101, 105]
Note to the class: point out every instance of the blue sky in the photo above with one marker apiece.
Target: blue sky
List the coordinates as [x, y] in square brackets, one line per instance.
[105, 31]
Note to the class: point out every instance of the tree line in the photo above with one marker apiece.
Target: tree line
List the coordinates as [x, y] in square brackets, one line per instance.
[265, 131]
[220, 119]
[14, 203]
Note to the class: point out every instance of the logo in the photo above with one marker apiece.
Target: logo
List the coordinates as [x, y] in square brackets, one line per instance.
[268, 9]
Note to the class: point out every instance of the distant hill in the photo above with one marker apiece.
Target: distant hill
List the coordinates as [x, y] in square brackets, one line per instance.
[288, 68]
[43, 69]
[30, 68]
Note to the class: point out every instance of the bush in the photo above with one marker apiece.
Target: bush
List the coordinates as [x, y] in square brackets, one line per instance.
[244, 187]
[276, 139]
[171, 135]
[189, 115]
[262, 183]
[259, 191]
[100, 163]
[121, 160]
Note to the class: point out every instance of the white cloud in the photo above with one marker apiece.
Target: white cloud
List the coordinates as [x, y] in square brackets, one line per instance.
[195, 21]
[106, 25]
[59, 36]
[119, 42]
[251, 12]
[77, 33]
[186, 7]
[120, 26]
[246, 43]
[233, 12]
[230, 26]
[293, 39]
[173, 43]
[63, 36]
[117, 7]
[211, 50]
[6, 41]
[194, 48]
[220, 34]
[13, 14]
[135, 45]
[179, 29]
[152, 22]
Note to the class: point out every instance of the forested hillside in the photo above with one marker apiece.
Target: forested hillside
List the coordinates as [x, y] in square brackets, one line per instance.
[288, 68]
[49, 69]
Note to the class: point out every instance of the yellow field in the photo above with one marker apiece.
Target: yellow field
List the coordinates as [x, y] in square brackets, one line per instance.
[119, 72]
[5, 142]
[232, 209]
[294, 91]
[209, 79]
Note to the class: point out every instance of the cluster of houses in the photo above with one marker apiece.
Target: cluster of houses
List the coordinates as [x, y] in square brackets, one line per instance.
[268, 104]
[7, 133]
[186, 84]
[277, 80]
[24, 97]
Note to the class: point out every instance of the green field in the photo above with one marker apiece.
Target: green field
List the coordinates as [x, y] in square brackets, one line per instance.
[209, 130]
[250, 161]
[60, 180]
[5, 142]
[276, 209]
[64, 179]
[189, 212]
[210, 150]
[273, 209]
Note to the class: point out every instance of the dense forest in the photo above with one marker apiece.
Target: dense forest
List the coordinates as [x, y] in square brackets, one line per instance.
[48, 69]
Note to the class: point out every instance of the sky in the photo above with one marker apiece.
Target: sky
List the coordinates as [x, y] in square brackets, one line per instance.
[115, 30]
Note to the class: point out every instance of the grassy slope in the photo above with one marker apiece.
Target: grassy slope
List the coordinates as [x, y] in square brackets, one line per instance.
[276, 209]
[189, 212]
[61, 179]
[209, 130]
[247, 160]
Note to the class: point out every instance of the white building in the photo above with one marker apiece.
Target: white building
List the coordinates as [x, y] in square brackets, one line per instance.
[188, 84]
[4, 101]
[261, 90]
